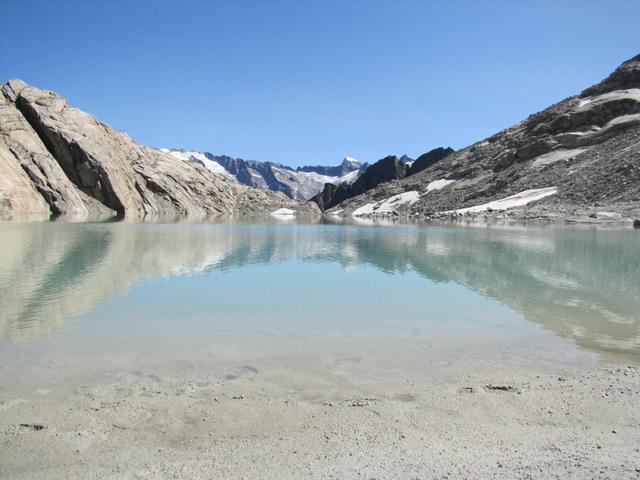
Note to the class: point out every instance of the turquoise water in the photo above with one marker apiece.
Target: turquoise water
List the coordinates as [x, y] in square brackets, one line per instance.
[118, 290]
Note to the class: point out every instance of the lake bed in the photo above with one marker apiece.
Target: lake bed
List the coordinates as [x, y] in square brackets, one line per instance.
[218, 344]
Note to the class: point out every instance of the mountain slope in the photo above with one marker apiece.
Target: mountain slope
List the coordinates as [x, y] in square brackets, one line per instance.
[388, 169]
[299, 184]
[581, 155]
[59, 160]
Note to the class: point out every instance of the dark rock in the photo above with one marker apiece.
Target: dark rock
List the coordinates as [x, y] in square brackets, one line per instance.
[430, 158]
[33, 426]
[325, 198]
[626, 76]
[500, 388]
[385, 170]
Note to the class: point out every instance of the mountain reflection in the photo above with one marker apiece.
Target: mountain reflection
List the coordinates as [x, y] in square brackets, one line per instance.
[580, 283]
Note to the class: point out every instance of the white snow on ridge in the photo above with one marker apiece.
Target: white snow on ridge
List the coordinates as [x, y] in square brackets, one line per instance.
[353, 160]
[517, 200]
[347, 178]
[307, 184]
[438, 184]
[212, 166]
[303, 185]
[283, 212]
[388, 205]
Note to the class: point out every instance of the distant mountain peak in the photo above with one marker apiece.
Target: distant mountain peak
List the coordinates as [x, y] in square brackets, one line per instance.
[299, 184]
[352, 161]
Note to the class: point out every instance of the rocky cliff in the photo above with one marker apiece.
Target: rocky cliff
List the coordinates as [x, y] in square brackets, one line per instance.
[578, 158]
[55, 159]
[388, 169]
[385, 170]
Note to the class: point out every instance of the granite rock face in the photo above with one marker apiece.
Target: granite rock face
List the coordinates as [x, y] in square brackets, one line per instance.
[80, 166]
[585, 150]
[32, 181]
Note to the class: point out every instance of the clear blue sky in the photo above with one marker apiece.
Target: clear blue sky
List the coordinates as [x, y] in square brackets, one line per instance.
[306, 82]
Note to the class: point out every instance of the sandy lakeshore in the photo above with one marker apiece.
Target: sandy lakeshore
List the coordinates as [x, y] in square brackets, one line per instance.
[269, 352]
[344, 418]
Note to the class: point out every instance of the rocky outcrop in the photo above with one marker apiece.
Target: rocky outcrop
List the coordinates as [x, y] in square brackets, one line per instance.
[80, 166]
[385, 170]
[430, 158]
[32, 181]
[585, 149]
[388, 169]
[625, 77]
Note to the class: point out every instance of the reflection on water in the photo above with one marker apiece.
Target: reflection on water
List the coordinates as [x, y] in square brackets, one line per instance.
[582, 284]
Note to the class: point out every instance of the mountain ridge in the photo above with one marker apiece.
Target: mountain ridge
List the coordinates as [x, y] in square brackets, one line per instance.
[578, 158]
[384, 170]
[301, 183]
[582, 153]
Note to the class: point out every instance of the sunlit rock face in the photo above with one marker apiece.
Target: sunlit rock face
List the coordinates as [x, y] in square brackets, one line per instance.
[574, 282]
[79, 166]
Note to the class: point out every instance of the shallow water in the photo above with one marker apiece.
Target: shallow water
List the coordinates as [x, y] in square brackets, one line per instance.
[110, 295]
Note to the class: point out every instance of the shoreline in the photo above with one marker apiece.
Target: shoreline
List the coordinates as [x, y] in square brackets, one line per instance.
[489, 422]
[627, 216]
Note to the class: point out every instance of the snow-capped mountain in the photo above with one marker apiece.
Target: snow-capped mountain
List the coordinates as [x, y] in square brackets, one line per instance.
[348, 165]
[299, 184]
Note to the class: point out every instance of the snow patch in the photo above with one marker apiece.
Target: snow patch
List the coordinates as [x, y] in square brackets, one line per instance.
[308, 184]
[517, 200]
[438, 184]
[388, 205]
[212, 166]
[608, 215]
[283, 211]
[348, 178]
